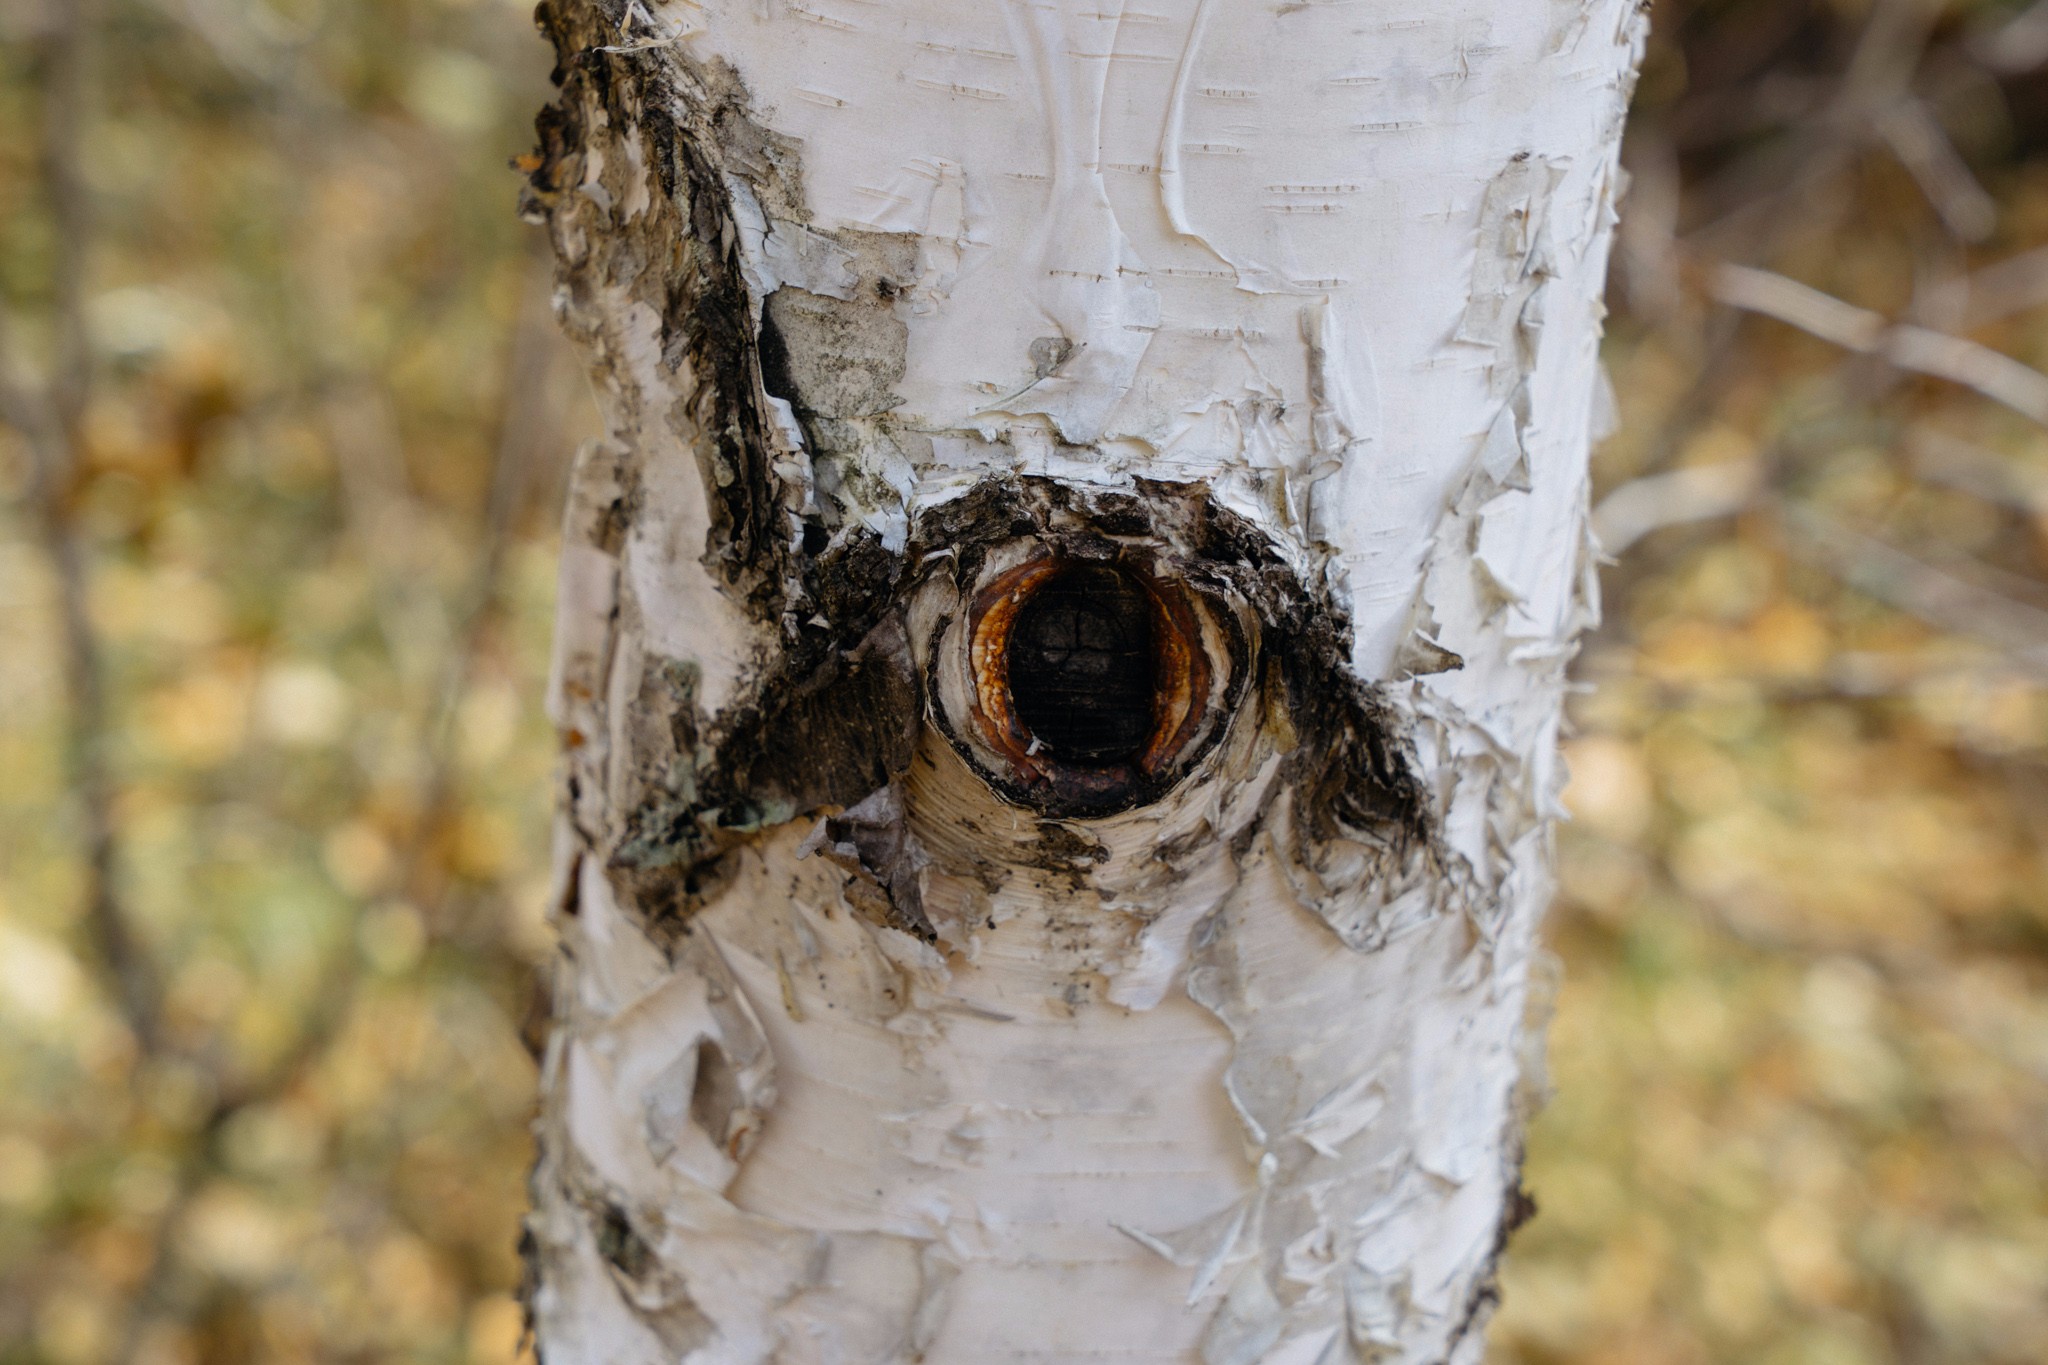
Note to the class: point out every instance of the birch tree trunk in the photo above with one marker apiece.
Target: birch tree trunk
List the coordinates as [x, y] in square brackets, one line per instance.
[1059, 661]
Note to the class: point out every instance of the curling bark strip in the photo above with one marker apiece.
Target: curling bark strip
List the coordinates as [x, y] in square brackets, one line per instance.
[885, 1030]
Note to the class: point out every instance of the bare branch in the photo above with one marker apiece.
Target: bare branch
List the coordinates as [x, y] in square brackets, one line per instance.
[1801, 306]
[1888, 53]
[1759, 197]
[64, 115]
[50, 417]
[1960, 361]
[1992, 373]
[1700, 493]
[1909, 128]
[2014, 285]
[523, 427]
[1940, 458]
[1941, 598]
[2018, 46]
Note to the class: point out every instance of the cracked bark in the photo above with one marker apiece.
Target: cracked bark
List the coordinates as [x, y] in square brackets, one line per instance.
[928, 995]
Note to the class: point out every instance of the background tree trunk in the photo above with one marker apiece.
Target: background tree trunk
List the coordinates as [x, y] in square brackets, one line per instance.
[1060, 660]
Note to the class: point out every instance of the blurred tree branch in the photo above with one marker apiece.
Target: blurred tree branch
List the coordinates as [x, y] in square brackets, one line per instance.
[522, 427]
[1920, 349]
[1944, 597]
[50, 417]
[50, 410]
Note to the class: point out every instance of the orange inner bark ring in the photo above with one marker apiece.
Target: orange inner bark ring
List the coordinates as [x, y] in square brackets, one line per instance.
[1182, 684]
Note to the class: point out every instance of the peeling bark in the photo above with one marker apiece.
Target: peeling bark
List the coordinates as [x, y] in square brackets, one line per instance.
[888, 1028]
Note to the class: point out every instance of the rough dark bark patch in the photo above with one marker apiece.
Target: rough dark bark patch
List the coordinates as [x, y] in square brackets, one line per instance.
[833, 714]
[682, 258]
[1485, 1296]
[831, 724]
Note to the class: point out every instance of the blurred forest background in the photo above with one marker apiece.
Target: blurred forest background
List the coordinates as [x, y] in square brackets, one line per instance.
[286, 421]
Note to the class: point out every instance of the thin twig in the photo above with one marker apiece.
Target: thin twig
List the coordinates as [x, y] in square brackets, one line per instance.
[2009, 287]
[1939, 458]
[519, 435]
[521, 414]
[1922, 146]
[65, 95]
[1887, 56]
[51, 418]
[384, 517]
[1937, 596]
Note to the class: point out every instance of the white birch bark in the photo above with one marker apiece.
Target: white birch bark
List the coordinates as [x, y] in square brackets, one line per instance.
[878, 1041]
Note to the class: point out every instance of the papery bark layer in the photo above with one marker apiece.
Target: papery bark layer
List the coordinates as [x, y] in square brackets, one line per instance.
[869, 1044]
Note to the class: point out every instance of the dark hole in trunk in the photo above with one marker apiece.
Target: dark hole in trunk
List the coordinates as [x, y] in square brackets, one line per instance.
[1083, 668]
